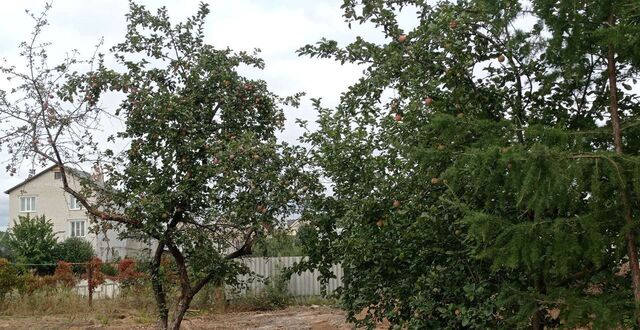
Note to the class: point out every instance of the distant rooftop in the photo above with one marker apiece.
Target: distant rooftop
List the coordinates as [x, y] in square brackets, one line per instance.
[78, 173]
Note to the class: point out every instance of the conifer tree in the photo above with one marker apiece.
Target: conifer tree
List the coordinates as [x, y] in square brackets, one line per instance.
[481, 174]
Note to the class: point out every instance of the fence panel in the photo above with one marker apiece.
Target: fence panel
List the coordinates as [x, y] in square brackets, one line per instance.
[108, 289]
[304, 284]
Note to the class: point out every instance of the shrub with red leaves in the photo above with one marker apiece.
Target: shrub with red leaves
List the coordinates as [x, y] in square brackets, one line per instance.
[97, 277]
[127, 270]
[64, 274]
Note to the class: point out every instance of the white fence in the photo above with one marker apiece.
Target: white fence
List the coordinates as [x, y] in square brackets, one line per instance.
[305, 284]
[108, 289]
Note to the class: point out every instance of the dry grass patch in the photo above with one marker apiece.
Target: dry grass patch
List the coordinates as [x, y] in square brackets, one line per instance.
[64, 308]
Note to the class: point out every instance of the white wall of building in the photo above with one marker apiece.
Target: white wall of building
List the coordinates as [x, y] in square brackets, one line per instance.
[52, 202]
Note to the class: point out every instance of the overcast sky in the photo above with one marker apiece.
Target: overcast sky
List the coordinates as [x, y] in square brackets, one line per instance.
[278, 28]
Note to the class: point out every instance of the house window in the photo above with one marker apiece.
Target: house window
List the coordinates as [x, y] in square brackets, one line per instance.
[77, 228]
[74, 204]
[28, 204]
[57, 175]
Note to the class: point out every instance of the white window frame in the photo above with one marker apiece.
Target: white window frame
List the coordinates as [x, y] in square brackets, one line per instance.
[57, 175]
[27, 207]
[74, 204]
[76, 227]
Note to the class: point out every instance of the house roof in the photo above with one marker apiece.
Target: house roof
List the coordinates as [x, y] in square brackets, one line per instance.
[46, 170]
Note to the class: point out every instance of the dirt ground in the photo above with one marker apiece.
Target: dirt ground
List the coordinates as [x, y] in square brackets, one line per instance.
[319, 318]
[314, 317]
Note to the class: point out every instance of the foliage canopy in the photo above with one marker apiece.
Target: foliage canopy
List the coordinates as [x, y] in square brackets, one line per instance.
[480, 176]
[202, 175]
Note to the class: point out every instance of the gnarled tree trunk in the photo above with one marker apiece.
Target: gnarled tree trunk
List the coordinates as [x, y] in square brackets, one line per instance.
[158, 290]
[181, 310]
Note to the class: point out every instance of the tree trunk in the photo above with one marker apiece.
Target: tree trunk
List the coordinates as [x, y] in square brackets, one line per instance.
[631, 236]
[186, 290]
[158, 290]
[537, 320]
[181, 310]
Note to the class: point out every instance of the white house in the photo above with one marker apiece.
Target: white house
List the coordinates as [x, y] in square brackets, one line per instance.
[42, 194]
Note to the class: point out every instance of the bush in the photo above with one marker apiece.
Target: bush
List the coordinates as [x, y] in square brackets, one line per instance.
[10, 278]
[64, 274]
[127, 271]
[74, 249]
[62, 278]
[274, 295]
[276, 291]
[109, 269]
[5, 250]
[95, 267]
[33, 242]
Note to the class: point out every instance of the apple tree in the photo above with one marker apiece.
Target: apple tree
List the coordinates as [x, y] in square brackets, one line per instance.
[201, 175]
[484, 169]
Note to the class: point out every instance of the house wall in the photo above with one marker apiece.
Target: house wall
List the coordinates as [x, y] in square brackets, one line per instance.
[53, 202]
